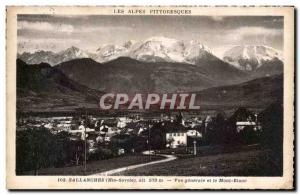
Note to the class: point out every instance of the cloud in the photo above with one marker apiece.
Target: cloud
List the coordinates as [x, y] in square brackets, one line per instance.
[247, 35]
[257, 31]
[58, 31]
[46, 40]
[51, 44]
[45, 26]
[104, 29]
[68, 28]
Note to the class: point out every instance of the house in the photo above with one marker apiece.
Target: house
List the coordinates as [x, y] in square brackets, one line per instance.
[81, 130]
[181, 137]
[64, 127]
[241, 125]
[122, 121]
[176, 139]
[245, 118]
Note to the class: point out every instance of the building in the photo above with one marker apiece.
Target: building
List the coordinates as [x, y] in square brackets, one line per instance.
[123, 121]
[241, 125]
[248, 122]
[64, 126]
[182, 137]
[176, 139]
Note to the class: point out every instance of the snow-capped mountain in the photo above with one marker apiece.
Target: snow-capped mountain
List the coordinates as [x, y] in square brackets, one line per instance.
[155, 49]
[39, 57]
[258, 60]
[51, 57]
[129, 43]
[110, 52]
[252, 57]
[72, 53]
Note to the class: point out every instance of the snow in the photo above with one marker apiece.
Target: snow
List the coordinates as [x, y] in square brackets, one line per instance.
[110, 52]
[170, 50]
[159, 48]
[153, 49]
[72, 53]
[245, 53]
[251, 57]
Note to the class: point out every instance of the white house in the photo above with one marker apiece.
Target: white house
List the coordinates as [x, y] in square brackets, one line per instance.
[175, 139]
[81, 130]
[64, 127]
[180, 138]
[240, 125]
[122, 121]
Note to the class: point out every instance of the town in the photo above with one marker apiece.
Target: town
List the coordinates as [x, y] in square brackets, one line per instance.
[68, 141]
[102, 129]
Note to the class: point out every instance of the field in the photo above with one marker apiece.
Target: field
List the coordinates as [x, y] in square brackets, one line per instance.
[242, 163]
[94, 167]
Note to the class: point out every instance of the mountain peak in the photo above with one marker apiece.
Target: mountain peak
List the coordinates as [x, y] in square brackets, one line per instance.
[74, 48]
[129, 44]
[153, 49]
[71, 49]
[72, 53]
[252, 57]
[160, 48]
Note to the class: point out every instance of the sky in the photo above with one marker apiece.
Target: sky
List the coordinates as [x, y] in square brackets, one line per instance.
[89, 32]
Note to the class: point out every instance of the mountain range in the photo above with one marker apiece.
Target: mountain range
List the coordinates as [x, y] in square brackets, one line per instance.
[53, 58]
[154, 49]
[42, 88]
[258, 60]
[75, 77]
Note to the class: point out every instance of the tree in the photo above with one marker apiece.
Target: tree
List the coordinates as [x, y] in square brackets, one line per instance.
[38, 148]
[77, 151]
[157, 134]
[272, 127]
[272, 135]
[35, 148]
[247, 135]
[216, 130]
[170, 141]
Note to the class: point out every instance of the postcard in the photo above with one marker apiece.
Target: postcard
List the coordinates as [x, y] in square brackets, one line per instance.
[150, 97]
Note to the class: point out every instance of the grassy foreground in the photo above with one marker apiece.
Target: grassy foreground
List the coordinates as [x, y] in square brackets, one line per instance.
[242, 163]
[94, 167]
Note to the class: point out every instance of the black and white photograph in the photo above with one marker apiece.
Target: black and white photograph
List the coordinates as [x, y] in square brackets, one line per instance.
[148, 91]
